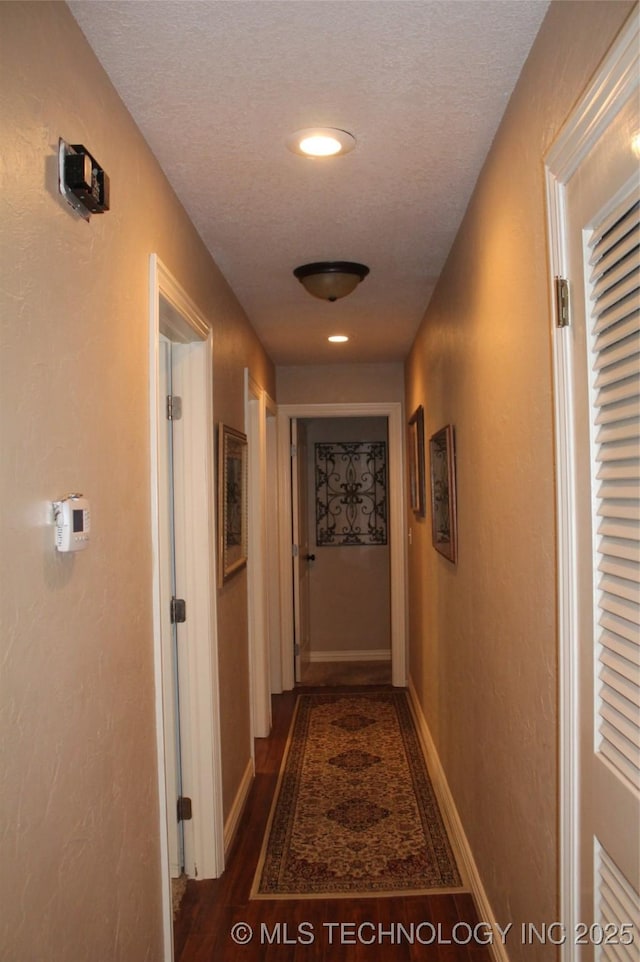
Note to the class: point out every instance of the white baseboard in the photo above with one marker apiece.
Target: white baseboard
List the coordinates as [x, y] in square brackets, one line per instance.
[231, 824]
[453, 823]
[376, 654]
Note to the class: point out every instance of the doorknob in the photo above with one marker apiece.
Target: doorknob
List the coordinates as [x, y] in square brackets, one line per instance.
[309, 557]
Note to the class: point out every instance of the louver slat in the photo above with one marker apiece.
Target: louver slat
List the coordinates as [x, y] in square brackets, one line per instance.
[615, 349]
[621, 430]
[626, 307]
[616, 548]
[617, 905]
[619, 411]
[617, 331]
[626, 286]
[621, 747]
[628, 242]
[622, 666]
[621, 269]
[621, 391]
[619, 529]
[620, 350]
[630, 731]
[622, 706]
[620, 607]
[617, 489]
[621, 686]
[619, 222]
[619, 509]
[620, 568]
[625, 629]
[618, 372]
[619, 587]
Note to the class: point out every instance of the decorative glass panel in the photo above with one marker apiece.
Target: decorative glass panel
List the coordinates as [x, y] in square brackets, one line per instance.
[351, 493]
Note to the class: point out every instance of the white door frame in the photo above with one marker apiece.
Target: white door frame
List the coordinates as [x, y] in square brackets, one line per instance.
[258, 408]
[397, 525]
[615, 82]
[172, 313]
[273, 552]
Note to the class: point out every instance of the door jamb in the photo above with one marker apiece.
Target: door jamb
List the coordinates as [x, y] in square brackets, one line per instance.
[613, 84]
[186, 324]
[397, 525]
[258, 404]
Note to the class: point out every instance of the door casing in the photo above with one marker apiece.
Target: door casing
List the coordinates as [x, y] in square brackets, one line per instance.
[262, 593]
[174, 314]
[397, 525]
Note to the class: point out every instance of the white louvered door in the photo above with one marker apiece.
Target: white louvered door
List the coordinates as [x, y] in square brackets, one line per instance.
[603, 231]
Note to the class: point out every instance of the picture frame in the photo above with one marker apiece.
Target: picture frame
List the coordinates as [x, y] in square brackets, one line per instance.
[232, 502]
[416, 453]
[444, 533]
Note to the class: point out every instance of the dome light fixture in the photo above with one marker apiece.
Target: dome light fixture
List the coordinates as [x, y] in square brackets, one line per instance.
[321, 142]
[338, 338]
[331, 280]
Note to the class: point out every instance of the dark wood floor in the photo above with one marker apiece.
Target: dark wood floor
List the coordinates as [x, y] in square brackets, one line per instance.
[309, 930]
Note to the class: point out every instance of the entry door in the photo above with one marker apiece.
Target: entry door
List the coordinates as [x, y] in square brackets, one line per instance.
[603, 231]
[301, 556]
[169, 627]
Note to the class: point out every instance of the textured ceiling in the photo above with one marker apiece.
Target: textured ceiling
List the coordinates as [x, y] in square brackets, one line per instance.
[217, 86]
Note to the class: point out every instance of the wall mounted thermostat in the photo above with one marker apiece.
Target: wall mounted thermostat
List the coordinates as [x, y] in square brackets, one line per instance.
[72, 517]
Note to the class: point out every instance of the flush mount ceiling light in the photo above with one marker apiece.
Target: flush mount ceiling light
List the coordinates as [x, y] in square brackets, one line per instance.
[338, 338]
[321, 142]
[331, 280]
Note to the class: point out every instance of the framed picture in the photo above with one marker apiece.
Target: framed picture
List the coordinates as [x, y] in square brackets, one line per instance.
[443, 492]
[416, 462]
[232, 501]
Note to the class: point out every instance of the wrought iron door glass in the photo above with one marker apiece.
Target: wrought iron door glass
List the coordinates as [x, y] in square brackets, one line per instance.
[351, 493]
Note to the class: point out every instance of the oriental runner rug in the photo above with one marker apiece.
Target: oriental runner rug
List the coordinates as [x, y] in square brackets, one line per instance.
[354, 813]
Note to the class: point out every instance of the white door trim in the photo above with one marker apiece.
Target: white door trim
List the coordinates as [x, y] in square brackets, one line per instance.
[257, 405]
[397, 525]
[185, 325]
[615, 82]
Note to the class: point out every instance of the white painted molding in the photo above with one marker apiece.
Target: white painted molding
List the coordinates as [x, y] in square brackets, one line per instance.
[455, 828]
[258, 582]
[185, 325]
[374, 654]
[397, 524]
[165, 867]
[239, 802]
[616, 81]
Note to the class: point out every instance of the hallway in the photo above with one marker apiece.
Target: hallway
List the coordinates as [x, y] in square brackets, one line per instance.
[461, 331]
[313, 929]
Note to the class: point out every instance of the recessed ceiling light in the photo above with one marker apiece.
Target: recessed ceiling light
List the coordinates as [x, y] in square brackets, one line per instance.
[338, 338]
[321, 142]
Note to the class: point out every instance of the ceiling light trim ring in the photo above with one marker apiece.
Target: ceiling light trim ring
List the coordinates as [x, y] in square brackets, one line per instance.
[346, 141]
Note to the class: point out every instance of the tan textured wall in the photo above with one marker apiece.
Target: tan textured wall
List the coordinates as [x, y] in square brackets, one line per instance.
[340, 383]
[80, 861]
[349, 587]
[483, 651]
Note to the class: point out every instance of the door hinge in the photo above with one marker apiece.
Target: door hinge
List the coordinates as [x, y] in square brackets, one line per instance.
[174, 407]
[294, 450]
[562, 302]
[294, 550]
[296, 650]
[178, 611]
[184, 809]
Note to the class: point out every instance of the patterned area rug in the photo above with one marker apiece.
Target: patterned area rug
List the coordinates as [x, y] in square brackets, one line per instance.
[354, 814]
